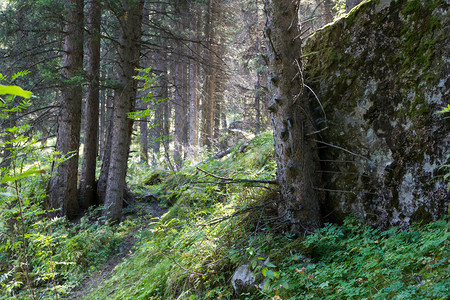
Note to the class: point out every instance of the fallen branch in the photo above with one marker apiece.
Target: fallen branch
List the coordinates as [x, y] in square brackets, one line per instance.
[218, 155]
[222, 154]
[237, 180]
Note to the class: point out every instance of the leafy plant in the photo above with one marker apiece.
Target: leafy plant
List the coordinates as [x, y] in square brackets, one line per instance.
[445, 109]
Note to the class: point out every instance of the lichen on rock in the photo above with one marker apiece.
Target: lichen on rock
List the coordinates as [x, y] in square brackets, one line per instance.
[381, 74]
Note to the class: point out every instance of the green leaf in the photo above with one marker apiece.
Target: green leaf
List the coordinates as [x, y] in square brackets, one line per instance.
[14, 90]
[270, 265]
[24, 174]
[254, 264]
[270, 274]
[445, 109]
[266, 285]
[8, 195]
[285, 284]
[276, 275]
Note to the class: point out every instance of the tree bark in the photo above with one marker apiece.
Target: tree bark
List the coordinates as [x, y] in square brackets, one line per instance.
[63, 185]
[161, 103]
[130, 20]
[295, 151]
[161, 91]
[219, 75]
[208, 88]
[193, 82]
[179, 119]
[185, 107]
[87, 190]
[258, 103]
[143, 138]
[106, 156]
[102, 125]
[180, 95]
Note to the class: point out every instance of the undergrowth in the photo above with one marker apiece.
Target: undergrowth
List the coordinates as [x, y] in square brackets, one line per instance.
[212, 228]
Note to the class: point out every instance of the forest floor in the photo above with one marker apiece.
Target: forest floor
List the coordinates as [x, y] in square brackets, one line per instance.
[216, 226]
[190, 231]
[154, 210]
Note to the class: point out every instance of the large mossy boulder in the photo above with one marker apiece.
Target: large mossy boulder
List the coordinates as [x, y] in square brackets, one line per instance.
[382, 74]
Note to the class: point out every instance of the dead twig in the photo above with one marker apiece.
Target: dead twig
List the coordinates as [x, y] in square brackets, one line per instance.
[340, 148]
[237, 180]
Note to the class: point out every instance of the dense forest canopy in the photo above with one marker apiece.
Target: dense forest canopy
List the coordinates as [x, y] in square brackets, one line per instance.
[273, 117]
[202, 79]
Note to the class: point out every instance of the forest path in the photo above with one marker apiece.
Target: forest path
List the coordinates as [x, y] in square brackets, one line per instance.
[94, 279]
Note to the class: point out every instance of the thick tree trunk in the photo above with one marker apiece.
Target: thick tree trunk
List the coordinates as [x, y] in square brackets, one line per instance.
[87, 177]
[295, 150]
[63, 185]
[130, 21]
[106, 156]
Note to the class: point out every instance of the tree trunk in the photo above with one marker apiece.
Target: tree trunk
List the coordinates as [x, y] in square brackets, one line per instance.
[102, 130]
[63, 185]
[193, 79]
[295, 150]
[160, 103]
[87, 177]
[143, 138]
[130, 20]
[161, 92]
[179, 82]
[167, 113]
[185, 107]
[103, 178]
[208, 87]
[218, 75]
[178, 130]
[258, 103]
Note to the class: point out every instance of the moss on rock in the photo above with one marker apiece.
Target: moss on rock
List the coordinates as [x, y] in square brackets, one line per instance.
[382, 74]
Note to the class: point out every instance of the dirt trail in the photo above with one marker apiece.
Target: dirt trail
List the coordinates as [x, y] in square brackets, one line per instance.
[92, 280]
